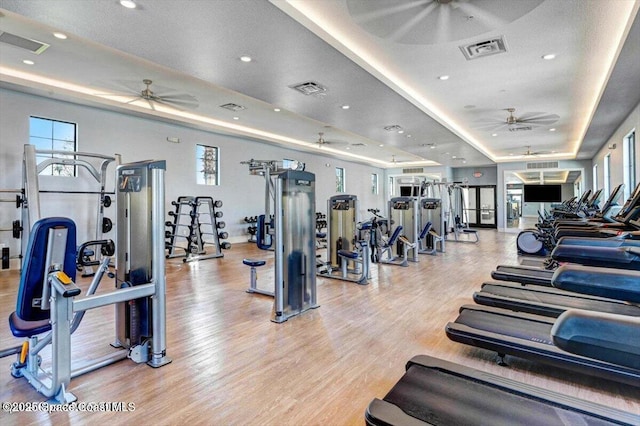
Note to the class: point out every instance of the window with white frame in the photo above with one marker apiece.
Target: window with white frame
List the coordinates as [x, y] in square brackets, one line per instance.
[207, 165]
[629, 161]
[595, 177]
[606, 184]
[53, 135]
[374, 183]
[340, 179]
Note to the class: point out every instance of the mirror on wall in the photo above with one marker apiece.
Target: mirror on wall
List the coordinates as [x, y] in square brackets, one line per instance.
[528, 192]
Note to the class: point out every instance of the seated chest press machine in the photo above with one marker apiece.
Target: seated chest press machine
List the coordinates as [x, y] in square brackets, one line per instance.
[49, 302]
[346, 253]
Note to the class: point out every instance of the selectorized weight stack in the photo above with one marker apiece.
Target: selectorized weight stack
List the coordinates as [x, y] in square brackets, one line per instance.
[432, 226]
[140, 323]
[288, 227]
[344, 252]
[403, 212]
[295, 230]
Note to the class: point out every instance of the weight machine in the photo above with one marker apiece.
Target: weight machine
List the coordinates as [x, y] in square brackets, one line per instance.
[346, 253]
[403, 213]
[288, 229]
[95, 164]
[48, 297]
[459, 220]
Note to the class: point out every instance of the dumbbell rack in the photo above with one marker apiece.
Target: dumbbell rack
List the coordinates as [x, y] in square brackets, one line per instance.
[195, 228]
[252, 228]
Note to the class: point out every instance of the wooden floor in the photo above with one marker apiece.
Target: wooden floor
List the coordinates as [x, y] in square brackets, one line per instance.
[232, 366]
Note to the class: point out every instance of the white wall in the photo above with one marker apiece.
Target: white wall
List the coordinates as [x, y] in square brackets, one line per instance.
[630, 123]
[137, 139]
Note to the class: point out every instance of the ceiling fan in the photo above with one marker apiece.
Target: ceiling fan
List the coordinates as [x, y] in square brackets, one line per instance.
[529, 153]
[526, 121]
[323, 142]
[156, 95]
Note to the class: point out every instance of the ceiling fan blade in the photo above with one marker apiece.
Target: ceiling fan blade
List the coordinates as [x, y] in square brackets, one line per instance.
[495, 127]
[382, 11]
[538, 118]
[151, 104]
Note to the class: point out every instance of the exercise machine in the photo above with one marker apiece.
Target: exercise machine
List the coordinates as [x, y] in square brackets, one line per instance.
[434, 391]
[432, 221]
[458, 220]
[346, 254]
[289, 228]
[403, 213]
[49, 302]
[96, 167]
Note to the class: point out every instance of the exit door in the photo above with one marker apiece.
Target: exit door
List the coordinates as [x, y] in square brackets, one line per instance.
[480, 206]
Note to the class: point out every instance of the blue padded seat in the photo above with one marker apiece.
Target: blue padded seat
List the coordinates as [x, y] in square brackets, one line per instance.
[425, 230]
[394, 236]
[254, 262]
[29, 320]
[348, 254]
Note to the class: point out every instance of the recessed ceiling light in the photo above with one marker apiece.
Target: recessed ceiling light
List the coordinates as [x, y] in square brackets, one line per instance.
[443, 77]
[345, 107]
[408, 136]
[494, 134]
[61, 36]
[381, 145]
[549, 57]
[400, 132]
[128, 4]
[348, 148]
[28, 62]
[511, 153]
[454, 157]
[236, 118]
[464, 161]
[553, 152]
[432, 147]
[276, 109]
[553, 129]
[245, 58]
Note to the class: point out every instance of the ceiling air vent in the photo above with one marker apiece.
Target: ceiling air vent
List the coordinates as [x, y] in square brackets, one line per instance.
[32, 46]
[484, 48]
[233, 107]
[309, 88]
[519, 128]
[358, 144]
[413, 170]
[393, 128]
[543, 165]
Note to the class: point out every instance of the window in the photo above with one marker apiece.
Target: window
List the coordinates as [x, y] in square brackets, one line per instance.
[629, 159]
[374, 183]
[595, 177]
[339, 179]
[207, 161]
[607, 174]
[53, 135]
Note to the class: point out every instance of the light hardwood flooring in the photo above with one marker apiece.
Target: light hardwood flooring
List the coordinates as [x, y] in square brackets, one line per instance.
[232, 366]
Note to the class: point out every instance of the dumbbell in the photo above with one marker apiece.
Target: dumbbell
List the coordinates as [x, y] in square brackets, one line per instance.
[223, 235]
[219, 214]
[217, 204]
[221, 224]
[225, 246]
[107, 225]
[106, 201]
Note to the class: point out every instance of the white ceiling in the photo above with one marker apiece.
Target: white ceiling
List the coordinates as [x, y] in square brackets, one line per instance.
[382, 58]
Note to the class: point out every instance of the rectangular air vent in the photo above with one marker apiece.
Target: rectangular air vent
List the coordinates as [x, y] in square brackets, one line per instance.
[309, 88]
[358, 144]
[233, 107]
[484, 48]
[413, 170]
[393, 128]
[519, 128]
[32, 46]
[543, 165]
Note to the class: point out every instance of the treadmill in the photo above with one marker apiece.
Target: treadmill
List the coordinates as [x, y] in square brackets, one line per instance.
[612, 340]
[552, 302]
[437, 392]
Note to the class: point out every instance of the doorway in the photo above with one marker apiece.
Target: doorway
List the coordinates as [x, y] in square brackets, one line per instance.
[480, 206]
